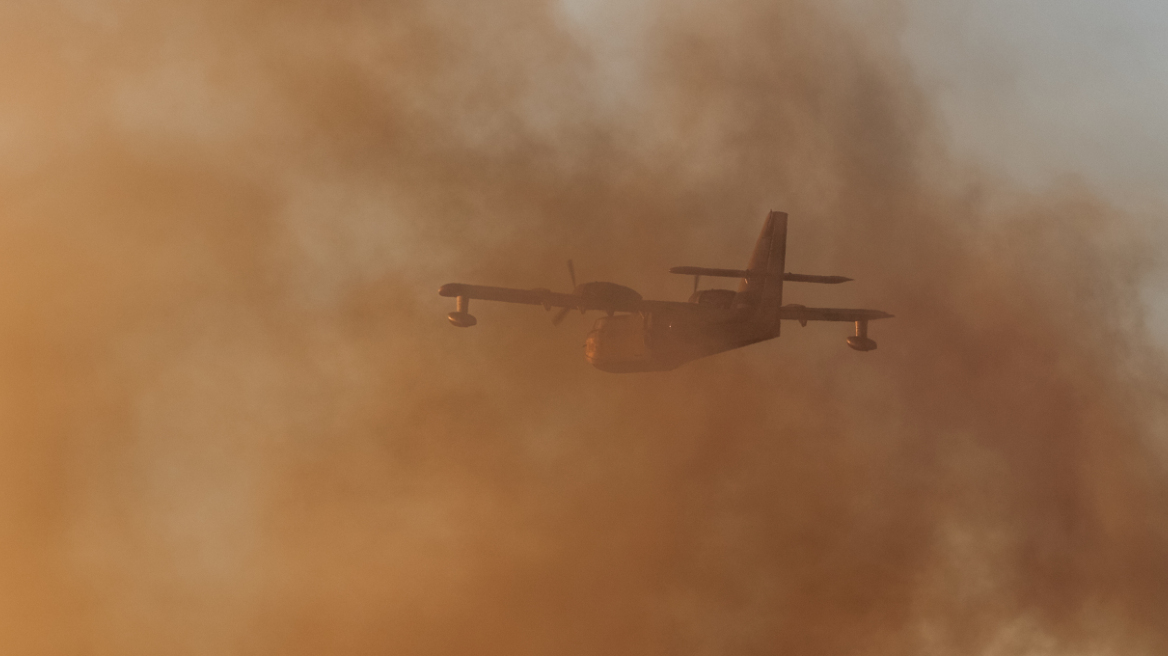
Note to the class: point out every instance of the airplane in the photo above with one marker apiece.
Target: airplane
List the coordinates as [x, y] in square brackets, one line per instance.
[639, 335]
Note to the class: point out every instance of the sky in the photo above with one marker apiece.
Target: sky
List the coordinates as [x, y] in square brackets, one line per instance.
[1040, 89]
[234, 420]
[1035, 90]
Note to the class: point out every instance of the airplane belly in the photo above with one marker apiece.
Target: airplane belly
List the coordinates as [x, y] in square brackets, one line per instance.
[618, 344]
[622, 344]
[617, 341]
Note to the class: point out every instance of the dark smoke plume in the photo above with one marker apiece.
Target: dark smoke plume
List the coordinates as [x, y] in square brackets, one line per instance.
[235, 421]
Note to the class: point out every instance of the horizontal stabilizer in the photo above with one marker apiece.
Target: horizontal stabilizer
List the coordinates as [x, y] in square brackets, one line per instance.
[805, 314]
[716, 273]
[743, 273]
[823, 280]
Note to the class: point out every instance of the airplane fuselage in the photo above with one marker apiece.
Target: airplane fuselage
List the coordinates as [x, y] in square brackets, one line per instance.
[627, 343]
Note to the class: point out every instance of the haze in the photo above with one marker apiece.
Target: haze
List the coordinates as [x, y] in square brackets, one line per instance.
[234, 420]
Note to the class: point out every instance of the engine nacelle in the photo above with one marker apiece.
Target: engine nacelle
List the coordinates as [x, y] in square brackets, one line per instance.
[609, 293]
[723, 298]
[861, 343]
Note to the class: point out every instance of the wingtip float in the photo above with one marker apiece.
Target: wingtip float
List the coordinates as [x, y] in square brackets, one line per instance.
[646, 335]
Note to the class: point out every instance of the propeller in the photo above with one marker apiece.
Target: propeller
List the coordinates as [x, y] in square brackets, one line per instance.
[560, 316]
[564, 311]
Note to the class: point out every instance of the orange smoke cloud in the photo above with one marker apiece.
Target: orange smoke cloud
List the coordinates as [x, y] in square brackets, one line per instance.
[235, 420]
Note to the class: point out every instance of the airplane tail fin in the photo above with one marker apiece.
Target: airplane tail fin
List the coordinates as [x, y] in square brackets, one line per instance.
[764, 289]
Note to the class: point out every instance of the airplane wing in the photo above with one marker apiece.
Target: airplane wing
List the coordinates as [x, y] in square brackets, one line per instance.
[550, 299]
[544, 297]
[804, 314]
[618, 303]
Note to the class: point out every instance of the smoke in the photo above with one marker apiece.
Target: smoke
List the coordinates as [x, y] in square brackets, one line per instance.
[236, 421]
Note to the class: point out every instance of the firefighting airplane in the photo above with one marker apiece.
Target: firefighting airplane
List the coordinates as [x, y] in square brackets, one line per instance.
[641, 335]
